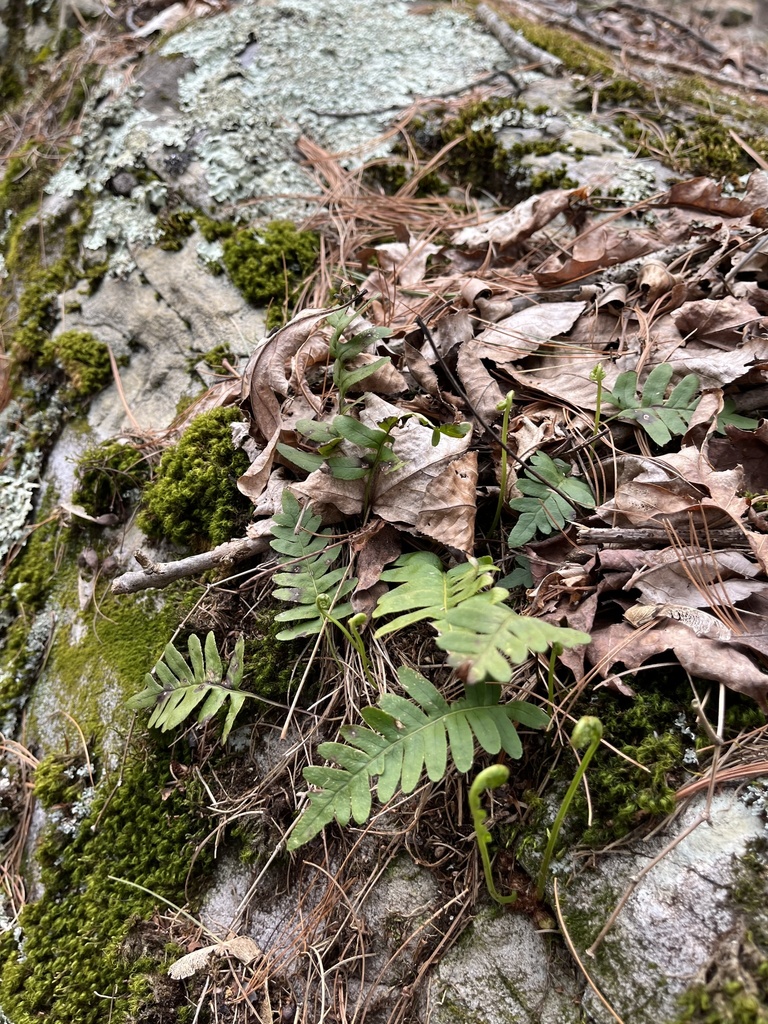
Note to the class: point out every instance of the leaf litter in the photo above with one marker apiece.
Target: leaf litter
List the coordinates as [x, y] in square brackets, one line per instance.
[514, 304]
[632, 497]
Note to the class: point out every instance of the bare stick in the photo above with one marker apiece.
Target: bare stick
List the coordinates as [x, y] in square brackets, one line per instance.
[156, 575]
[516, 44]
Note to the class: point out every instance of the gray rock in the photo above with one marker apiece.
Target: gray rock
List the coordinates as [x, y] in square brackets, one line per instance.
[670, 928]
[504, 971]
[157, 318]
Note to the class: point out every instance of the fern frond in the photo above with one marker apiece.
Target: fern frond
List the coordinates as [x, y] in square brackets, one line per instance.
[183, 686]
[296, 537]
[403, 737]
[487, 637]
[427, 591]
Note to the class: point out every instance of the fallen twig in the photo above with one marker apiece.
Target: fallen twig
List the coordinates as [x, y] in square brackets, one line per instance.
[156, 575]
[516, 44]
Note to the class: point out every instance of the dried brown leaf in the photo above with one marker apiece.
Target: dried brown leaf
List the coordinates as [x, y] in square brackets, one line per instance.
[714, 318]
[602, 247]
[482, 390]
[421, 371]
[522, 333]
[521, 221]
[699, 580]
[241, 947]
[448, 511]
[706, 194]
[703, 658]
[268, 371]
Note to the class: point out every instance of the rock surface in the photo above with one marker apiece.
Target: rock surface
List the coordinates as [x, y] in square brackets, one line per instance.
[215, 113]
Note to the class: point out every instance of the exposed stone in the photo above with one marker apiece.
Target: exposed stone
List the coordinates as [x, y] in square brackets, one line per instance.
[669, 929]
[504, 971]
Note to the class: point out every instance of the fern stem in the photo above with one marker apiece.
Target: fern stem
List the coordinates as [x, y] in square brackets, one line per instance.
[587, 730]
[353, 637]
[489, 778]
[598, 376]
[557, 650]
[505, 407]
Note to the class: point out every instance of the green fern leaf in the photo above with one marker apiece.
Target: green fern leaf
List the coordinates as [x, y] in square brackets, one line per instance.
[198, 685]
[297, 537]
[486, 638]
[402, 739]
[661, 418]
[542, 509]
[426, 591]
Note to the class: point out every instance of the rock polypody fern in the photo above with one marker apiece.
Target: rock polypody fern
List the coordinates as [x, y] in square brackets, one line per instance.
[404, 737]
[311, 583]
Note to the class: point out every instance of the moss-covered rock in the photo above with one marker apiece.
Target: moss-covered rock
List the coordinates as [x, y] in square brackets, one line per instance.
[83, 358]
[73, 958]
[268, 266]
[194, 500]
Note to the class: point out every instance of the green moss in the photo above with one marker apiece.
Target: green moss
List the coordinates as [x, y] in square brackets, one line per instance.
[96, 663]
[108, 477]
[77, 961]
[577, 57]
[215, 357]
[38, 305]
[193, 499]
[543, 181]
[478, 159]
[268, 267]
[26, 173]
[83, 358]
[56, 780]
[624, 92]
[391, 177]
[624, 795]
[269, 664]
[175, 229]
[214, 230]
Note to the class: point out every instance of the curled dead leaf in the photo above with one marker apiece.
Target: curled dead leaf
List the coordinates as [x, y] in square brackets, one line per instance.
[240, 947]
[521, 221]
[654, 280]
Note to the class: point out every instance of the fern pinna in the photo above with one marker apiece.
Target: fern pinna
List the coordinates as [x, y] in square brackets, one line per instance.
[311, 584]
[198, 685]
[404, 737]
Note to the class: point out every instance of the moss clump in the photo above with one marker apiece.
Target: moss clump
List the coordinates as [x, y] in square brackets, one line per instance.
[57, 780]
[26, 173]
[38, 305]
[175, 229]
[269, 664]
[269, 266]
[646, 729]
[624, 795]
[478, 158]
[83, 358]
[390, 178]
[30, 577]
[214, 358]
[577, 57]
[109, 476]
[193, 499]
[77, 957]
[543, 181]
[214, 230]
